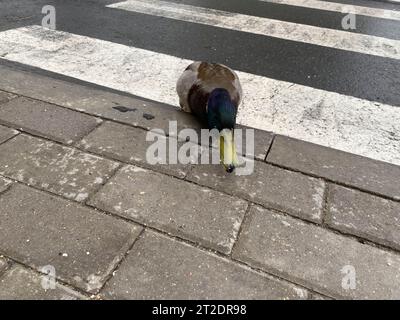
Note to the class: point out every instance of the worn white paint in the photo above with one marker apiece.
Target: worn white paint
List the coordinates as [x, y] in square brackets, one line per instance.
[331, 119]
[338, 39]
[339, 7]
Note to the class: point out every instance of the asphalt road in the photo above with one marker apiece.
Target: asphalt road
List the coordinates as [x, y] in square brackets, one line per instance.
[359, 75]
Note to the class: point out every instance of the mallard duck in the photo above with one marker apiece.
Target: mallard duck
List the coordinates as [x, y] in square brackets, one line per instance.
[212, 92]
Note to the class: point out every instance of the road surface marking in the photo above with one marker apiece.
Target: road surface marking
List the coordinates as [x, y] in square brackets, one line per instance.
[343, 8]
[331, 38]
[343, 122]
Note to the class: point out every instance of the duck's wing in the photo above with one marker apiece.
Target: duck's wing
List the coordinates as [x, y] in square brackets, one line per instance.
[200, 79]
[185, 82]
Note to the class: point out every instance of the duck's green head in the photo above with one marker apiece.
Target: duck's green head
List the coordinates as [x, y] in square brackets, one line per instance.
[221, 115]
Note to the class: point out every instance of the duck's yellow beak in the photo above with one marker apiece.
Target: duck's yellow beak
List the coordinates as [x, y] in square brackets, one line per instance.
[227, 150]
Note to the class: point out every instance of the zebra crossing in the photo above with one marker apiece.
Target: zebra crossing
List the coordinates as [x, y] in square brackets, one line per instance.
[338, 7]
[312, 102]
[338, 39]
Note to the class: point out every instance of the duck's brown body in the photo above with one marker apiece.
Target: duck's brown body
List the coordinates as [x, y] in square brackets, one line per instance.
[197, 82]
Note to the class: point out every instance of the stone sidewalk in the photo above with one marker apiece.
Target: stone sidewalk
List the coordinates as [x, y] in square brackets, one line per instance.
[77, 194]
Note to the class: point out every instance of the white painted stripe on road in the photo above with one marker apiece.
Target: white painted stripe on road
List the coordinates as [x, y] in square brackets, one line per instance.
[343, 8]
[359, 126]
[268, 27]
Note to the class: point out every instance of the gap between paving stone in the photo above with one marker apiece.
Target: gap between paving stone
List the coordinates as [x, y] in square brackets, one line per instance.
[258, 133]
[157, 230]
[309, 175]
[336, 166]
[339, 183]
[153, 250]
[46, 120]
[289, 169]
[177, 238]
[366, 216]
[7, 133]
[118, 265]
[265, 206]
[6, 97]
[95, 154]
[54, 167]
[4, 184]
[143, 128]
[320, 294]
[19, 282]
[81, 146]
[86, 272]
[84, 91]
[13, 262]
[4, 265]
[278, 252]
[273, 210]
[174, 206]
[194, 245]
[325, 207]
[269, 186]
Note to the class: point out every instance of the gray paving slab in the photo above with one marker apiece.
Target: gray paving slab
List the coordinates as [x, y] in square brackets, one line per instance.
[262, 142]
[46, 165]
[129, 110]
[47, 120]
[20, 283]
[250, 142]
[267, 185]
[128, 144]
[3, 265]
[364, 215]
[5, 97]
[161, 268]
[364, 173]
[146, 114]
[83, 246]
[4, 184]
[174, 206]
[6, 133]
[316, 296]
[317, 258]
